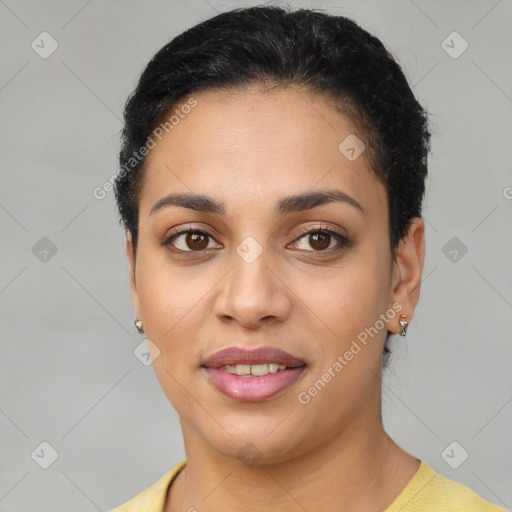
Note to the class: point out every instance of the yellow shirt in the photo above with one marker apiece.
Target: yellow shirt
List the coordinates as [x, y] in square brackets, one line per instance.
[427, 491]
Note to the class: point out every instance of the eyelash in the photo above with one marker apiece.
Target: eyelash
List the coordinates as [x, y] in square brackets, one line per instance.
[342, 240]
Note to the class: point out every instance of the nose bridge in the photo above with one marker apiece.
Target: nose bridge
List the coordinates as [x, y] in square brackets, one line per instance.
[252, 291]
[252, 278]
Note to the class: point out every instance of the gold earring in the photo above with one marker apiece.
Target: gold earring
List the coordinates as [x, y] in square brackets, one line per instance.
[138, 324]
[403, 325]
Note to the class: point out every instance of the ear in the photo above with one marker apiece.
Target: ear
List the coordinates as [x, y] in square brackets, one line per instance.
[407, 271]
[130, 253]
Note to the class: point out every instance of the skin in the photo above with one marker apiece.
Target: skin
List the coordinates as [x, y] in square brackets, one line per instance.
[249, 149]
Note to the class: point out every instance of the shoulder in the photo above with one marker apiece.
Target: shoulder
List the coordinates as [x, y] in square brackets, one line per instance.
[430, 491]
[153, 497]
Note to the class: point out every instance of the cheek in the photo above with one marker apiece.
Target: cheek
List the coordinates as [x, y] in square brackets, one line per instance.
[347, 295]
[345, 306]
[166, 292]
[169, 303]
[173, 301]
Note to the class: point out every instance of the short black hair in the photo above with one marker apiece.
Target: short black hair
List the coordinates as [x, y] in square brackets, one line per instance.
[275, 47]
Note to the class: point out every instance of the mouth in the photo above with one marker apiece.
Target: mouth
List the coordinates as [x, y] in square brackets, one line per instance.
[253, 375]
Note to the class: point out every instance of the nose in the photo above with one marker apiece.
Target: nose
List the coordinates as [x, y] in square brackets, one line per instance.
[253, 293]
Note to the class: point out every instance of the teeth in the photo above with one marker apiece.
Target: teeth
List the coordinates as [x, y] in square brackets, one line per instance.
[260, 369]
[253, 369]
[274, 368]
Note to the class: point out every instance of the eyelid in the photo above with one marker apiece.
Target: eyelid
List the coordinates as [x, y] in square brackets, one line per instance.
[317, 229]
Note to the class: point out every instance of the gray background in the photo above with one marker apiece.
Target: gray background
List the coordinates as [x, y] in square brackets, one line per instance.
[67, 368]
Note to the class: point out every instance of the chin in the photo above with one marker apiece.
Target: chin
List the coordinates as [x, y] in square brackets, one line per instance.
[267, 441]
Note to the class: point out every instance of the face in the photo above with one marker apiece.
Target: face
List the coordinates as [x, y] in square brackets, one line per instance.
[312, 278]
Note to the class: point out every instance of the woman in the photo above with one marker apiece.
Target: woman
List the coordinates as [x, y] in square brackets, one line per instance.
[272, 177]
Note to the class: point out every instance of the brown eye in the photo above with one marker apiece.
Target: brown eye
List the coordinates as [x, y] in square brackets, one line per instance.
[189, 240]
[320, 240]
[196, 240]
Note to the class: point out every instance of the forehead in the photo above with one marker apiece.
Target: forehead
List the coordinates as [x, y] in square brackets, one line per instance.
[258, 146]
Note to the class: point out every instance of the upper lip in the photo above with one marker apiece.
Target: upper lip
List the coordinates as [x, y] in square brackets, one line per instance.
[260, 355]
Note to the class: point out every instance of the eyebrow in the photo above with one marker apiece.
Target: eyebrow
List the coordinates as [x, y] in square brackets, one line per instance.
[288, 204]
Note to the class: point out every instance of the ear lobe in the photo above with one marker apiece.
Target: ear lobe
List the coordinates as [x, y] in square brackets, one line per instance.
[409, 267]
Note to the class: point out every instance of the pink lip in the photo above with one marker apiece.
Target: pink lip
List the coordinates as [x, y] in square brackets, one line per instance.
[249, 388]
[261, 355]
[252, 389]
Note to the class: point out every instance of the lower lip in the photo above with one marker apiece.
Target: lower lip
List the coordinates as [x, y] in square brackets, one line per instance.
[250, 388]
